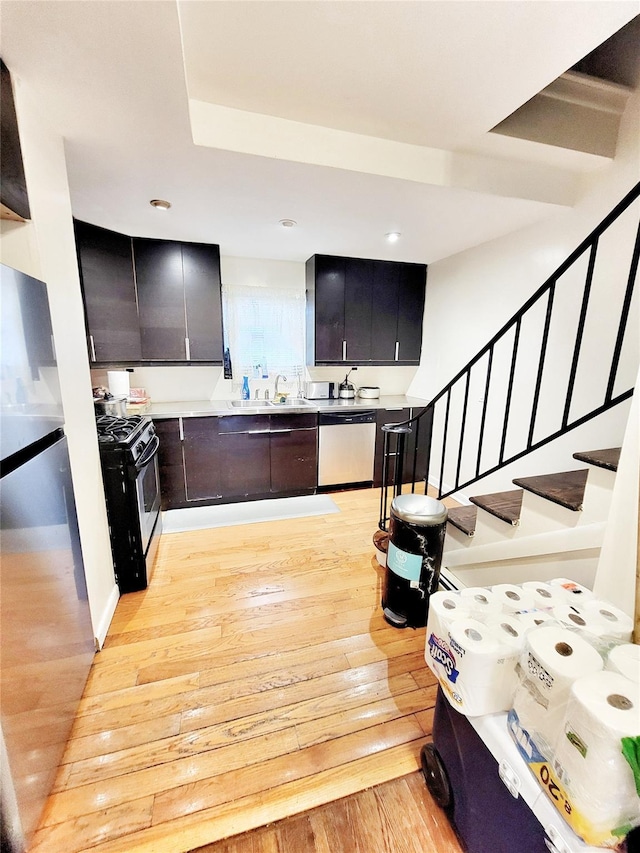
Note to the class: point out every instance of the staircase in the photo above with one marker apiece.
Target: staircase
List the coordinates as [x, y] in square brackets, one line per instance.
[553, 525]
[552, 369]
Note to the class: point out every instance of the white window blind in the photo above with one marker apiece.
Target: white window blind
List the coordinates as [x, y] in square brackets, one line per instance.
[264, 331]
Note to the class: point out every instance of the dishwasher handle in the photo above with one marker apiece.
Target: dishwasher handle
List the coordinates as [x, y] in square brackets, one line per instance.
[346, 418]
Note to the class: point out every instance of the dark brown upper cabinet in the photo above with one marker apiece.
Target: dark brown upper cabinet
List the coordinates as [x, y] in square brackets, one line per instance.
[13, 185]
[179, 300]
[108, 286]
[364, 311]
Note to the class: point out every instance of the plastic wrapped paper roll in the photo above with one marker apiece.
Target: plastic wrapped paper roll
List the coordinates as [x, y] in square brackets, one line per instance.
[544, 594]
[625, 660]
[118, 382]
[445, 608]
[553, 658]
[482, 602]
[571, 616]
[573, 592]
[530, 619]
[602, 709]
[611, 621]
[513, 597]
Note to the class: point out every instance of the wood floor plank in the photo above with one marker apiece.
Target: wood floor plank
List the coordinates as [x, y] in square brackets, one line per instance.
[266, 645]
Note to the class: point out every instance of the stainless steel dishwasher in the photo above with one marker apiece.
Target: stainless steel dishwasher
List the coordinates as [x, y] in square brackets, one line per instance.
[346, 444]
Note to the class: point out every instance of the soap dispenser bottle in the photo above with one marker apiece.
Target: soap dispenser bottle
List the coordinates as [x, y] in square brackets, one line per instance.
[246, 393]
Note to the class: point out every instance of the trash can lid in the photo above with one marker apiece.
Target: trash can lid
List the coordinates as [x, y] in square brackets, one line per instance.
[419, 509]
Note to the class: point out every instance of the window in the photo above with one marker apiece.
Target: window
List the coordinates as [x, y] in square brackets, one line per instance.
[264, 331]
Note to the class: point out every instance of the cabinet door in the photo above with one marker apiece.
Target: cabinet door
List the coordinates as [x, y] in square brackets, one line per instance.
[158, 265]
[358, 294]
[294, 460]
[392, 416]
[201, 271]
[245, 459]
[13, 185]
[109, 291]
[411, 293]
[171, 466]
[384, 319]
[201, 458]
[329, 308]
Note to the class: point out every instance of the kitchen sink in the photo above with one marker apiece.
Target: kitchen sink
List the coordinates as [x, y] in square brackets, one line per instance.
[251, 404]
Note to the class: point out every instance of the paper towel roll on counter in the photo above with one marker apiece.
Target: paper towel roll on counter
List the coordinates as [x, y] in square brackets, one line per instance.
[118, 382]
[610, 621]
[625, 660]
[602, 708]
[553, 658]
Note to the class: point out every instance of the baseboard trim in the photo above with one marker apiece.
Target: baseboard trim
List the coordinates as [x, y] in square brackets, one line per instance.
[107, 616]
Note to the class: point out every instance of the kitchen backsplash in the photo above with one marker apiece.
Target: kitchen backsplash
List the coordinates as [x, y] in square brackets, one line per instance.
[173, 384]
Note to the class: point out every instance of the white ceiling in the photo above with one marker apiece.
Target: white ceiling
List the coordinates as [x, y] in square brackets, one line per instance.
[374, 116]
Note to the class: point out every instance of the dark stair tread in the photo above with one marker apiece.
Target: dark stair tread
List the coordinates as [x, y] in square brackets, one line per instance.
[504, 505]
[608, 458]
[464, 518]
[566, 488]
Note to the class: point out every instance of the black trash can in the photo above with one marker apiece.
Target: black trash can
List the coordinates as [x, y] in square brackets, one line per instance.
[416, 539]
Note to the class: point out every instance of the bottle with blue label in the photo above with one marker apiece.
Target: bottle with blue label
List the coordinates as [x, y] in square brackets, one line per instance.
[246, 393]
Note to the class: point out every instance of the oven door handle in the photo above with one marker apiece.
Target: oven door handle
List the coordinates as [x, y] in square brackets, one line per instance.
[148, 454]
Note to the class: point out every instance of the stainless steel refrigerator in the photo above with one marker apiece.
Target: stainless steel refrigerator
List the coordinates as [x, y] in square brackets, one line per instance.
[47, 643]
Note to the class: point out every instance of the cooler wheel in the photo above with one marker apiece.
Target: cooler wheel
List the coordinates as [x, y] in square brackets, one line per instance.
[435, 776]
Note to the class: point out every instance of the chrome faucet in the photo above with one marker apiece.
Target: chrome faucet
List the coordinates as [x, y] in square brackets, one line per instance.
[278, 378]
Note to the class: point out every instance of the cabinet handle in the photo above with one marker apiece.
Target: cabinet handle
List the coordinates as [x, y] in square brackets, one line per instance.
[93, 348]
[53, 349]
[344, 350]
[181, 429]
[272, 431]
[258, 432]
[397, 349]
[187, 349]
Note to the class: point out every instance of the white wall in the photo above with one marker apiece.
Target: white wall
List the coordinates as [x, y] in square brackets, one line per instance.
[45, 248]
[472, 294]
[169, 384]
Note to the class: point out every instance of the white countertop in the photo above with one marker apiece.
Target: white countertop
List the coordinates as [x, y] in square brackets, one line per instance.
[222, 408]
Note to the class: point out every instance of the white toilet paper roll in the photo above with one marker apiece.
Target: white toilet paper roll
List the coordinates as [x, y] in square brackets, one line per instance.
[625, 660]
[509, 631]
[483, 670]
[553, 658]
[444, 608]
[602, 708]
[530, 619]
[612, 622]
[545, 595]
[571, 616]
[118, 382]
[513, 597]
[482, 602]
[573, 592]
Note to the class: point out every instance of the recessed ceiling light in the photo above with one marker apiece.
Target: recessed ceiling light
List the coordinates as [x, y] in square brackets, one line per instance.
[288, 223]
[393, 236]
[160, 204]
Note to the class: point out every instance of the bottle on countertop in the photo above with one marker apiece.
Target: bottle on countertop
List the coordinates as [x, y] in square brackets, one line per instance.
[246, 393]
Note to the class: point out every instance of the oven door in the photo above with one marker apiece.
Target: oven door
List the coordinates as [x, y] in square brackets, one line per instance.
[148, 491]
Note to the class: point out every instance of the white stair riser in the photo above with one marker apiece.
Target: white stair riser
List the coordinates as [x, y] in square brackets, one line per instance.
[579, 566]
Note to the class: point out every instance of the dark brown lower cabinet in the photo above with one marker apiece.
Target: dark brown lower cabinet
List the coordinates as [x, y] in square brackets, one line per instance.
[294, 460]
[172, 486]
[212, 460]
[420, 432]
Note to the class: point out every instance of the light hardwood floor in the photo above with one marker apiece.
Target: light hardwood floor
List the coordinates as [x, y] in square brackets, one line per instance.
[255, 679]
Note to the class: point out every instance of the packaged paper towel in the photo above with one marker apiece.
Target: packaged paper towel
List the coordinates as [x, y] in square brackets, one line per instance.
[573, 592]
[610, 621]
[597, 781]
[625, 660]
[530, 619]
[445, 608]
[544, 594]
[482, 602]
[553, 658]
[512, 597]
[474, 664]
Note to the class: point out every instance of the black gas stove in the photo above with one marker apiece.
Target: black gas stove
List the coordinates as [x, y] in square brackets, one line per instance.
[129, 460]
